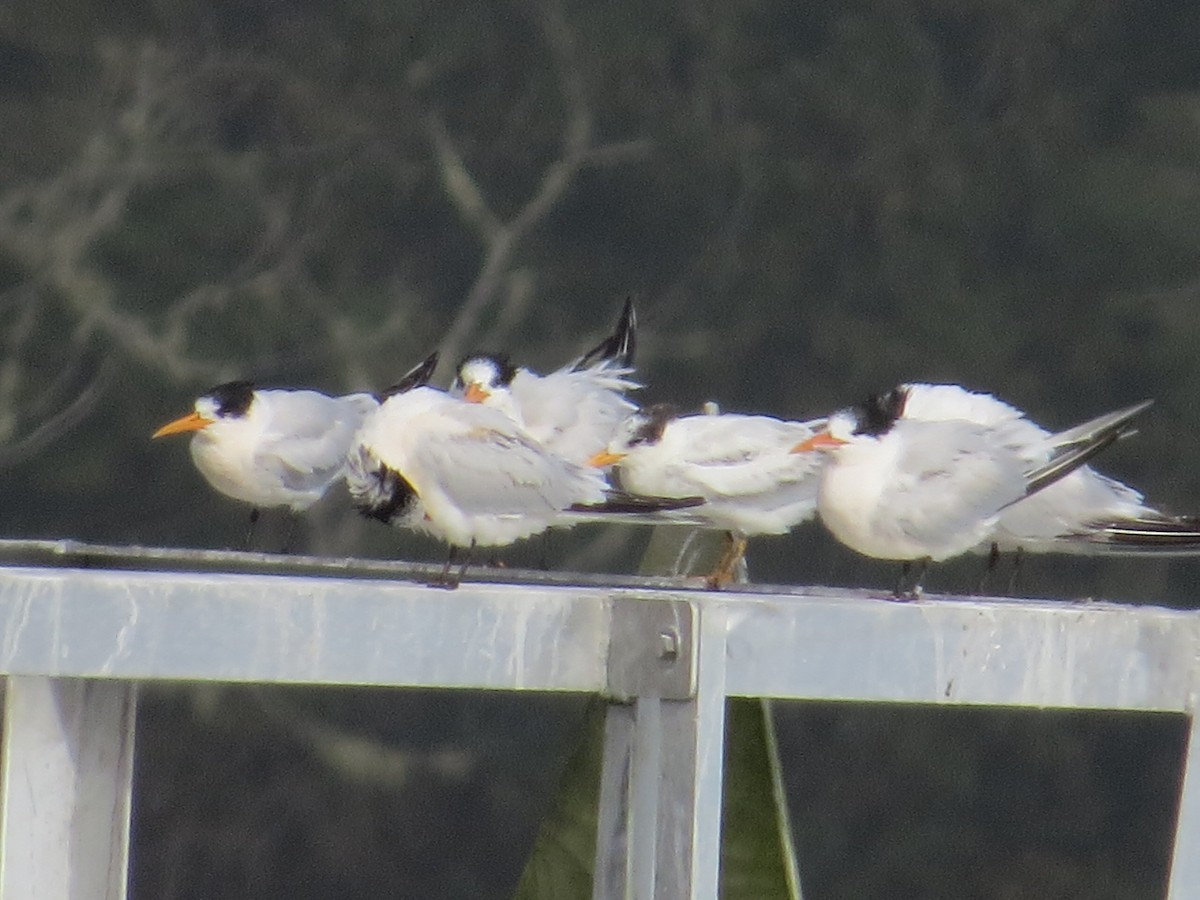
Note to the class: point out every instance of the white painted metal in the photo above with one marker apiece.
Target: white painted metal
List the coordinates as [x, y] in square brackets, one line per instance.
[264, 628]
[344, 623]
[1185, 859]
[66, 780]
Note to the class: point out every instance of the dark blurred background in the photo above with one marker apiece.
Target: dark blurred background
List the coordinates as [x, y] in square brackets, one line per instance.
[807, 201]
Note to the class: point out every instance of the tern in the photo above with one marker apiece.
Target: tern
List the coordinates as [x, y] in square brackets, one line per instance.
[742, 466]
[271, 448]
[1083, 512]
[471, 476]
[921, 490]
[571, 411]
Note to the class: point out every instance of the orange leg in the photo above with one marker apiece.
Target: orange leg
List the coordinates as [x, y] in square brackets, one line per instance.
[723, 574]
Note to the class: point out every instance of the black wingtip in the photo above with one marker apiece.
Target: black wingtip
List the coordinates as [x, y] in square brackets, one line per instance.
[622, 502]
[1166, 533]
[1087, 441]
[619, 347]
[417, 376]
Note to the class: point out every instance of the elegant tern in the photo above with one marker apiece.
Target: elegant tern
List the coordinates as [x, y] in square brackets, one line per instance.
[740, 465]
[920, 490]
[271, 448]
[1083, 512]
[471, 476]
[571, 411]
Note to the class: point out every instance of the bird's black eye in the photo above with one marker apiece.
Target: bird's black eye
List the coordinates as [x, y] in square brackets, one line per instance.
[233, 398]
[880, 412]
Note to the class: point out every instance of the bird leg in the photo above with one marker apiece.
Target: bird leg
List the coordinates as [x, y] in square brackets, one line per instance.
[917, 569]
[726, 568]
[292, 518]
[989, 569]
[250, 531]
[1014, 581]
[443, 579]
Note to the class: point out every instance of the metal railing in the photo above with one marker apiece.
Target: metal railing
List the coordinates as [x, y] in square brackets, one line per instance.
[81, 626]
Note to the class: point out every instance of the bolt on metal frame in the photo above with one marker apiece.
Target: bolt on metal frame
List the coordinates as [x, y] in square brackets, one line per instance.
[76, 639]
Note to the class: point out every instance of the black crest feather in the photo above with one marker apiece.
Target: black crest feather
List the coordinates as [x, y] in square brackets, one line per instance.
[655, 419]
[881, 411]
[233, 398]
[505, 369]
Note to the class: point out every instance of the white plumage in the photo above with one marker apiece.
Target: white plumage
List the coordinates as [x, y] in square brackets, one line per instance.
[474, 476]
[272, 448]
[740, 465]
[908, 488]
[572, 411]
[1084, 511]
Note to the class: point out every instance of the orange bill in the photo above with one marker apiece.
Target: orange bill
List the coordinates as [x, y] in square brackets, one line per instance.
[822, 440]
[193, 421]
[604, 458]
[475, 394]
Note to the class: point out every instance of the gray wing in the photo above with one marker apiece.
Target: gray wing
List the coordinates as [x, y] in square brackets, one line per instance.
[310, 434]
[574, 413]
[951, 476]
[738, 456]
[491, 472]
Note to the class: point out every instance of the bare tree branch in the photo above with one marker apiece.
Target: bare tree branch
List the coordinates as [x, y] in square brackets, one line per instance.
[464, 193]
[501, 242]
[61, 422]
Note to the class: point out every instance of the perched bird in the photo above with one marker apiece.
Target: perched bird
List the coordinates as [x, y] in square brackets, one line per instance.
[1083, 512]
[462, 472]
[271, 448]
[572, 411]
[920, 490]
[741, 466]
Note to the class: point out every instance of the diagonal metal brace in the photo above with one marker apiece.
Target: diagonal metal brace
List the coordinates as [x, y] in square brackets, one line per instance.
[651, 649]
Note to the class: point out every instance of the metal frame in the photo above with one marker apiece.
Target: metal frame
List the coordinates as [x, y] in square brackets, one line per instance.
[75, 641]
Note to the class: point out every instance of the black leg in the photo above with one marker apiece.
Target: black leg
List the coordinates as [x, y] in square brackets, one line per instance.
[250, 530]
[922, 568]
[989, 569]
[906, 590]
[293, 519]
[443, 578]
[468, 558]
[1014, 583]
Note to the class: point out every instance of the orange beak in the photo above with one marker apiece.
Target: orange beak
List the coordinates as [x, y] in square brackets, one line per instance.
[475, 394]
[822, 440]
[604, 458]
[191, 422]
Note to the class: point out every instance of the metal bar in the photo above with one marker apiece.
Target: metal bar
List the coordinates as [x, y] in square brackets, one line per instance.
[706, 784]
[611, 873]
[1017, 653]
[650, 746]
[156, 625]
[659, 834]
[79, 555]
[66, 783]
[818, 645]
[1185, 858]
